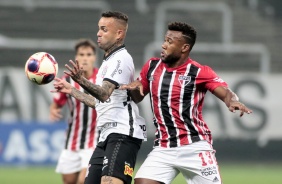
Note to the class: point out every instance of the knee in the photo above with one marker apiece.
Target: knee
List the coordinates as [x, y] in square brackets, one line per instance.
[69, 179]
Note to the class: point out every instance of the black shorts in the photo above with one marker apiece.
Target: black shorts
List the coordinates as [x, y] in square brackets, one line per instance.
[115, 157]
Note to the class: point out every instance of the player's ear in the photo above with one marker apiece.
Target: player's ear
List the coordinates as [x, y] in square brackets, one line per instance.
[185, 47]
[120, 34]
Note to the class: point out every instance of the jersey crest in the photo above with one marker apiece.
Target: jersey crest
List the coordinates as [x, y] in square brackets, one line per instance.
[184, 80]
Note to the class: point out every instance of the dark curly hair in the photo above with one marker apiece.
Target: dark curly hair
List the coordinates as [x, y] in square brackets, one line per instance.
[188, 32]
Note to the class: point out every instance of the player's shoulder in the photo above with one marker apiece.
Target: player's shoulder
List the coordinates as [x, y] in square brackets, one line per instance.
[122, 55]
[153, 60]
[204, 68]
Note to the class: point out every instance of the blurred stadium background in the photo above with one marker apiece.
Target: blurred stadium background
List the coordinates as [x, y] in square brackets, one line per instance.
[240, 39]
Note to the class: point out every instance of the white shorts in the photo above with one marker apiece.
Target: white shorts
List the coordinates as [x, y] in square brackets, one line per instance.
[73, 161]
[196, 162]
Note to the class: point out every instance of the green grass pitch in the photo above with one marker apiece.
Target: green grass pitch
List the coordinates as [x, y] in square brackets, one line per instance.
[231, 174]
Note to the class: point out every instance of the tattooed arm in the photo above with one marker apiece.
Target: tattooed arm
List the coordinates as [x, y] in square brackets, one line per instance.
[65, 87]
[102, 93]
[83, 97]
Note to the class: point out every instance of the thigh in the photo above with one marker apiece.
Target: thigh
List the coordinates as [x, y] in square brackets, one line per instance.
[120, 157]
[69, 162]
[198, 164]
[158, 166]
[94, 171]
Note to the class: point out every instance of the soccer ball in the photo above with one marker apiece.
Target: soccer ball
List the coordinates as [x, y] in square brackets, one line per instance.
[41, 68]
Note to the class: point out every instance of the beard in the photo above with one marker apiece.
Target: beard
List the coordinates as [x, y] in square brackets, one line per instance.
[171, 59]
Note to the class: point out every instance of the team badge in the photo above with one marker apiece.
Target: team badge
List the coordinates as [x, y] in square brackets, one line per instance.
[184, 80]
[104, 71]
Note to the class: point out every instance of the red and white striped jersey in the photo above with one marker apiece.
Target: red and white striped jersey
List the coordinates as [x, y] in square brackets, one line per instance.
[81, 132]
[177, 96]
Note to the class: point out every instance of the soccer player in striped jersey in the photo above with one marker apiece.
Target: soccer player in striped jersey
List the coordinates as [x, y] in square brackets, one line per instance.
[82, 134]
[118, 119]
[177, 86]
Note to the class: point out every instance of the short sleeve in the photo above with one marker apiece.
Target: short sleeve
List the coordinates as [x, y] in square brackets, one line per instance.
[120, 71]
[211, 79]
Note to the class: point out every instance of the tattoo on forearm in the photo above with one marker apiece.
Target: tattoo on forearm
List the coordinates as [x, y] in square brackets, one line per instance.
[77, 76]
[83, 97]
[101, 93]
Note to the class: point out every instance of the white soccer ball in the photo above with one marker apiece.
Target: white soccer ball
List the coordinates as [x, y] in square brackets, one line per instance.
[41, 68]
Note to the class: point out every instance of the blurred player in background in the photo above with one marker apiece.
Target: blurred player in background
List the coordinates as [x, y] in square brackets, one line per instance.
[82, 135]
[177, 86]
[121, 127]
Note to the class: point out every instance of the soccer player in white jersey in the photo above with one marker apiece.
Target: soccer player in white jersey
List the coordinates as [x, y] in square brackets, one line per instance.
[81, 134]
[177, 86]
[121, 127]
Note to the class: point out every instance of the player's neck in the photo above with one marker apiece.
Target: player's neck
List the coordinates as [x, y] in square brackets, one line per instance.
[178, 63]
[113, 47]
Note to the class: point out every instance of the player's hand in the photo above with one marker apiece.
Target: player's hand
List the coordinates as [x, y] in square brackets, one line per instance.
[75, 72]
[236, 105]
[55, 114]
[62, 86]
[136, 85]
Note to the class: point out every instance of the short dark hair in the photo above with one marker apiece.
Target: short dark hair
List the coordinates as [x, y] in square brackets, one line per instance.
[85, 43]
[188, 32]
[116, 15]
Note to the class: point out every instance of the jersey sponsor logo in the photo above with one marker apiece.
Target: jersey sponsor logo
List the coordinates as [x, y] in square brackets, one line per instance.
[143, 128]
[117, 70]
[108, 125]
[128, 170]
[209, 171]
[184, 80]
[217, 79]
[215, 179]
[105, 163]
[104, 71]
[104, 167]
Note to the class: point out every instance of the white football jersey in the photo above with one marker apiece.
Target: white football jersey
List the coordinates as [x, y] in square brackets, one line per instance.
[118, 114]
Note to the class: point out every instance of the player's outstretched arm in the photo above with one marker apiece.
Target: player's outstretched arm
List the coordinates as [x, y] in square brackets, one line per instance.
[231, 100]
[136, 90]
[63, 86]
[102, 93]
